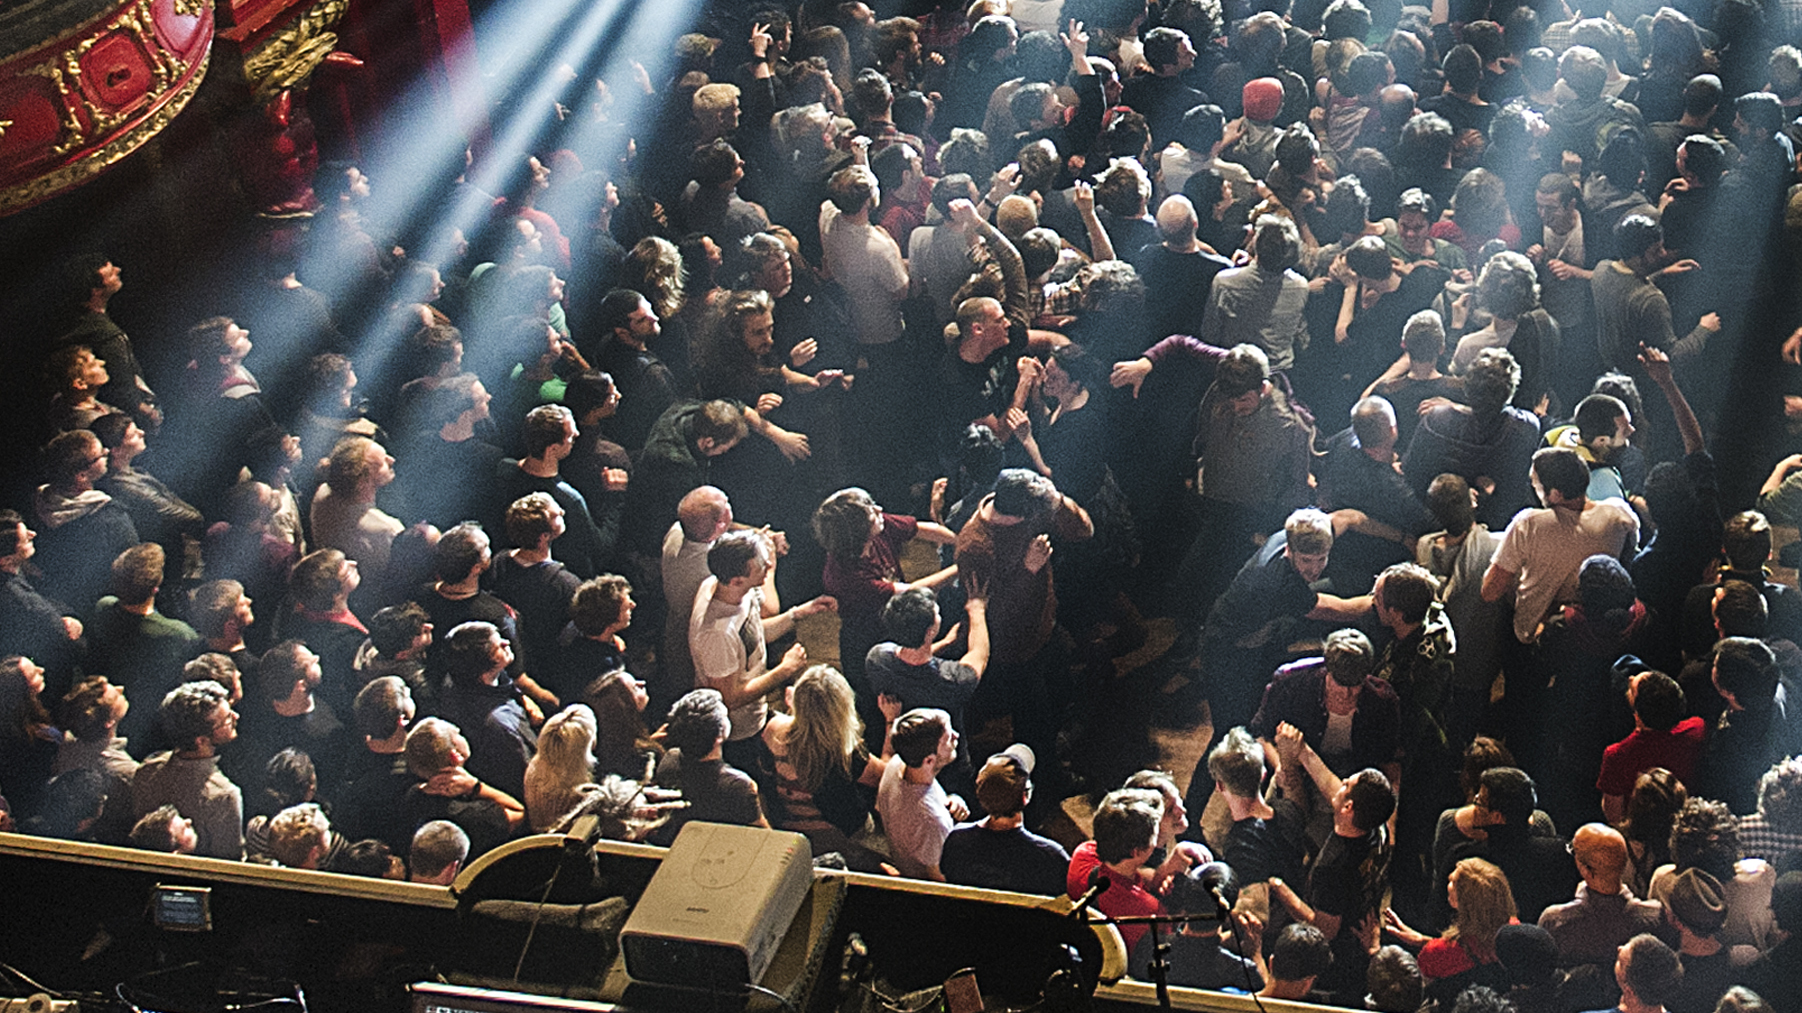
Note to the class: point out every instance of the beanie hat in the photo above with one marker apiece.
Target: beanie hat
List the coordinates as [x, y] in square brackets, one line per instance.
[1527, 952]
[1263, 98]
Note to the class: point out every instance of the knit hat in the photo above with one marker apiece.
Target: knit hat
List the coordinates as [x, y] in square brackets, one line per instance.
[1527, 952]
[1696, 900]
[1263, 98]
[1605, 587]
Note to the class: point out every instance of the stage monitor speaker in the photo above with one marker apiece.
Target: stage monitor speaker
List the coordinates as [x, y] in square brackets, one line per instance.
[715, 912]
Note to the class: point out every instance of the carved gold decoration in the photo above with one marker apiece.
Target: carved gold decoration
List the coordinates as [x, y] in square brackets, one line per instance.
[3, 125]
[290, 57]
[72, 130]
[64, 73]
[189, 8]
[95, 162]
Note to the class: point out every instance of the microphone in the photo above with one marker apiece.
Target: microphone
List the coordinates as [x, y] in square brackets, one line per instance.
[1098, 884]
[1216, 881]
[1220, 899]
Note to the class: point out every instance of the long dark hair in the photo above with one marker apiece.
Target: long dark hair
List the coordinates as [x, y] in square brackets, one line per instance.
[20, 709]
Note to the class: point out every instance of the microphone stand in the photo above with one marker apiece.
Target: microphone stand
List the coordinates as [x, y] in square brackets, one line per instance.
[1160, 948]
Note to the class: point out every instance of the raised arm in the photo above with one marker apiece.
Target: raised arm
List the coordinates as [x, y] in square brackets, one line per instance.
[1013, 270]
[1658, 367]
[1100, 245]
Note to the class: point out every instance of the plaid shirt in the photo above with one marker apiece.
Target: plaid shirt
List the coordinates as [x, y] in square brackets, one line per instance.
[1759, 839]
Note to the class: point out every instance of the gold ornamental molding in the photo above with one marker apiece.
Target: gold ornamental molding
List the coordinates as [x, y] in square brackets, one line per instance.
[96, 161]
[288, 58]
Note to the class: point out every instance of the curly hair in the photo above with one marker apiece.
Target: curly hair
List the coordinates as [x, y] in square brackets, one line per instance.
[596, 604]
[654, 269]
[187, 711]
[1508, 286]
[1705, 835]
[842, 523]
[1780, 793]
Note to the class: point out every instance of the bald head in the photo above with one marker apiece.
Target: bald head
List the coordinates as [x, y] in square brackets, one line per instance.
[1177, 220]
[704, 514]
[1601, 854]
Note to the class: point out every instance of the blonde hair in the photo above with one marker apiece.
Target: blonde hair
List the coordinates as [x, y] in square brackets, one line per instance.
[654, 269]
[826, 732]
[1485, 904]
[565, 759]
[566, 745]
[715, 98]
[295, 832]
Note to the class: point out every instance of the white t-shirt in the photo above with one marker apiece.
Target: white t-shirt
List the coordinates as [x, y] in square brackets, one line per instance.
[916, 818]
[727, 644]
[1547, 547]
[684, 568]
[866, 261]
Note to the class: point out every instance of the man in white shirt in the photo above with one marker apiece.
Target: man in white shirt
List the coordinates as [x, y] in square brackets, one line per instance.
[1543, 550]
[727, 632]
[862, 257]
[702, 517]
[1538, 562]
[917, 815]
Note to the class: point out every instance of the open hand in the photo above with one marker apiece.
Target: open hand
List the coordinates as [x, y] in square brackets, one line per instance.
[794, 446]
[1657, 363]
[1075, 39]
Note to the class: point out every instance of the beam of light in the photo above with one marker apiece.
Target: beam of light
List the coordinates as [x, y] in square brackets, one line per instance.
[422, 149]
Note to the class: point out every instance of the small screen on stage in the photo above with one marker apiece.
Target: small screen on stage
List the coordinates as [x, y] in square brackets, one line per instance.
[431, 997]
[182, 908]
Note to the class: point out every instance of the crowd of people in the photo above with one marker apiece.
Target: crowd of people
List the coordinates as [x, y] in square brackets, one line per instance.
[1379, 349]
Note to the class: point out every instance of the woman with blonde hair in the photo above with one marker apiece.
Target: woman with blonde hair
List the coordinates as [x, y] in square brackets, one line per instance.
[1464, 954]
[824, 778]
[625, 747]
[564, 762]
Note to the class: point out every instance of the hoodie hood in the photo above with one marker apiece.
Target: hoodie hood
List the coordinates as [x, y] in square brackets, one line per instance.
[56, 509]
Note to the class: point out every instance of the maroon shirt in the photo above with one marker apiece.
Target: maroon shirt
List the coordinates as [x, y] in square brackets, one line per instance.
[865, 584]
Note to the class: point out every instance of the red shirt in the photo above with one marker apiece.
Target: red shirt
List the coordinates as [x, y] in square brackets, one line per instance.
[1675, 751]
[1444, 958]
[1123, 898]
